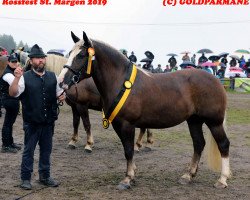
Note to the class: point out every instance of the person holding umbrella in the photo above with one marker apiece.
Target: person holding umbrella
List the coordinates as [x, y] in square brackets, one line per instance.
[202, 59]
[233, 62]
[172, 61]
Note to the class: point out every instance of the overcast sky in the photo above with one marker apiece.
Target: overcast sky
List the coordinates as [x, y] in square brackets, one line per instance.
[136, 25]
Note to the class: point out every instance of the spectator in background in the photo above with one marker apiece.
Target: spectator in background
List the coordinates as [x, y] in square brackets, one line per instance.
[202, 59]
[186, 57]
[224, 60]
[193, 59]
[167, 69]
[242, 62]
[158, 69]
[233, 62]
[11, 105]
[132, 58]
[172, 61]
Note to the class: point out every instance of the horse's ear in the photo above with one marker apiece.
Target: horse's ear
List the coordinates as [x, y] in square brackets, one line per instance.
[86, 40]
[22, 48]
[74, 37]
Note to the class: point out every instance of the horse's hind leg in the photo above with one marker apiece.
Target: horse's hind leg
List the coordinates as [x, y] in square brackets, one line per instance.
[83, 110]
[76, 122]
[138, 143]
[223, 144]
[195, 128]
[150, 140]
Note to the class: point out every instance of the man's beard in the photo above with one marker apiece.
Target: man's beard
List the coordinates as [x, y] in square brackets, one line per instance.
[39, 68]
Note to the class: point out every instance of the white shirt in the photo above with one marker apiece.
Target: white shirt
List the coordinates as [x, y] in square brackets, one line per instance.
[9, 78]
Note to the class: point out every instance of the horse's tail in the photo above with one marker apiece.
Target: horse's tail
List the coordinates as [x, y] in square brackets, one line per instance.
[212, 151]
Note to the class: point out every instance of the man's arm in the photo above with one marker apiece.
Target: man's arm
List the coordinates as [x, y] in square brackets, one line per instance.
[14, 88]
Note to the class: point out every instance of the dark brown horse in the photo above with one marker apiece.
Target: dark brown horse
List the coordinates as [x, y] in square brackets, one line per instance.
[153, 101]
[84, 96]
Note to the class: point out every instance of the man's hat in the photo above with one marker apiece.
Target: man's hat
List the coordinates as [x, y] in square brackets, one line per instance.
[36, 52]
[12, 58]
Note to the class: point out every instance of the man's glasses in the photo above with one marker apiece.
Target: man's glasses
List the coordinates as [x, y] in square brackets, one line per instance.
[13, 61]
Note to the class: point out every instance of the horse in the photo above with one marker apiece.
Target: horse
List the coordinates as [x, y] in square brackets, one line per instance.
[152, 101]
[89, 98]
[84, 96]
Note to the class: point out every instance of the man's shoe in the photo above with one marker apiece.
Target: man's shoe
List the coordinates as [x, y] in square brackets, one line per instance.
[26, 185]
[9, 149]
[50, 182]
[16, 146]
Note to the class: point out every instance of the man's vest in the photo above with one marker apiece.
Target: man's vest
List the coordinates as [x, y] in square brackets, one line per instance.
[39, 102]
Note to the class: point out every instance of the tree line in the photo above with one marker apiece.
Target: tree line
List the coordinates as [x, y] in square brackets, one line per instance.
[8, 42]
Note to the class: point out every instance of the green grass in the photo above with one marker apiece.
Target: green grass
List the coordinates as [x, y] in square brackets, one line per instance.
[238, 116]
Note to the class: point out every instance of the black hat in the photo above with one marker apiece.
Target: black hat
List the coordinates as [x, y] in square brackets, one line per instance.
[12, 58]
[36, 52]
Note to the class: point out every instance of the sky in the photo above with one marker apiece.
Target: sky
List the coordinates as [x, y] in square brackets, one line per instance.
[136, 25]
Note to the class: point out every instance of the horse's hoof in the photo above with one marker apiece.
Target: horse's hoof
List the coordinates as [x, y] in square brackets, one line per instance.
[123, 186]
[136, 149]
[220, 185]
[70, 146]
[88, 150]
[185, 179]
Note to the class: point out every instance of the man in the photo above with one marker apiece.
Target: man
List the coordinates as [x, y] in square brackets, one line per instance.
[158, 69]
[193, 59]
[11, 105]
[172, 62]
[202, 59]
[132, 58]
[38, 90]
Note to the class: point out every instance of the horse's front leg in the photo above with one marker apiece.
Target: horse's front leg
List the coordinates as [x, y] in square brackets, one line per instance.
[76, 122]
[87, 126]
[126, 133]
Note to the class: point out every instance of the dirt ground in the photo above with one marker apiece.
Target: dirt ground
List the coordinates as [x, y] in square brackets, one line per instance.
[96, 175]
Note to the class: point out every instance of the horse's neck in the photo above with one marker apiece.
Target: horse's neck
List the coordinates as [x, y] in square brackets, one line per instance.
[108, 75]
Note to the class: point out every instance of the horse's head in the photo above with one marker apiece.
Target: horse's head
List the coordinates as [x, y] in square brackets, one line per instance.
[79, 62]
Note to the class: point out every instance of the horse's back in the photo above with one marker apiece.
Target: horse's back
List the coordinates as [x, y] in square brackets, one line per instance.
[178, 95]
[3, 64]
[55, 63]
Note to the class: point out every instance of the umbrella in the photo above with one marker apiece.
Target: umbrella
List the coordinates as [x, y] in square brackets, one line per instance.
[172, 54]
[223, 54]
[235, 72]
[149, 55]
[242, 51]
[235, 57]
[214, 58]
[185, 52]
[204, 51]
[208, 64]
[146, 60]
[187, 63]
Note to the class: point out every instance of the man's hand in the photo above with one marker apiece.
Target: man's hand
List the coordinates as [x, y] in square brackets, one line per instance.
[18, 72]
[62, 97]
